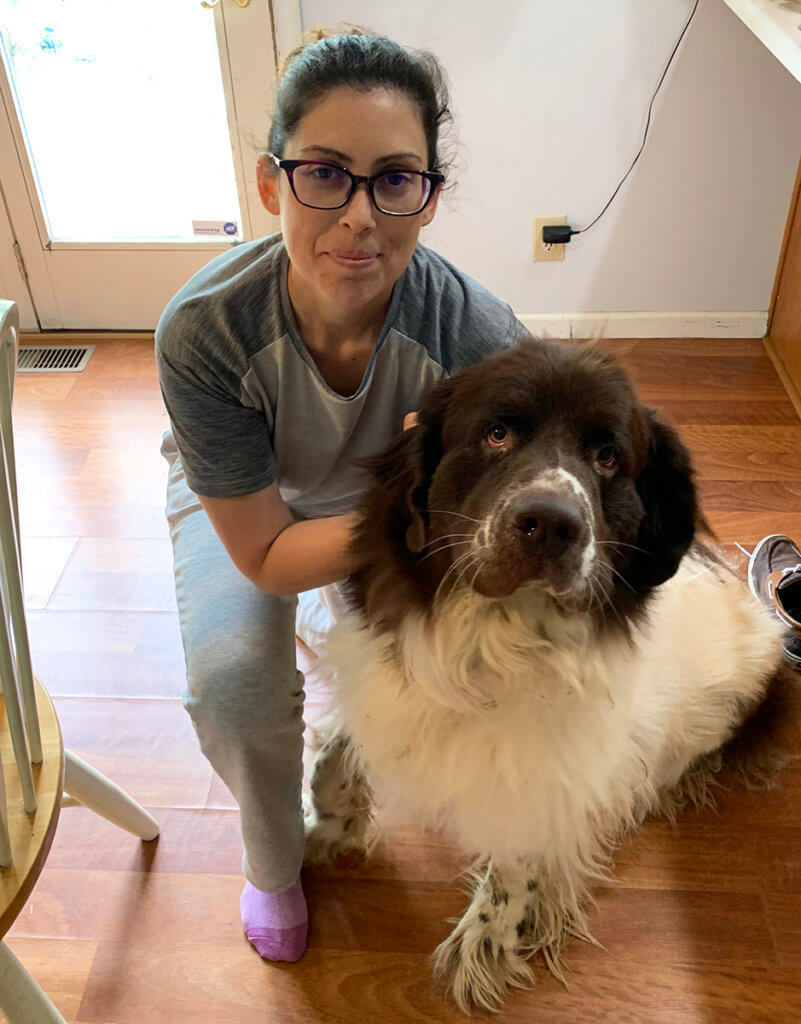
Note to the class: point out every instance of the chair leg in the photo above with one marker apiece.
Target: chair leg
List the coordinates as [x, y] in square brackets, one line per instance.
[21, 999]
[105, 798]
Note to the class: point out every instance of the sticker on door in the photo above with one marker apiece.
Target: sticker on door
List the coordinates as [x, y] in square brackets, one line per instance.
[215, 227]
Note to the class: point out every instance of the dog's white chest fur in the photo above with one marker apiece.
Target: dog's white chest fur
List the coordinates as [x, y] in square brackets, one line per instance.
[523, 734]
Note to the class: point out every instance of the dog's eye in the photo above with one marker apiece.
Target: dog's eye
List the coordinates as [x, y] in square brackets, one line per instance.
[496, 436]
[606, 458]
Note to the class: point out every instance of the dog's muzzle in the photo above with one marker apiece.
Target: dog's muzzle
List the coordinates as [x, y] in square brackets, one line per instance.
[540, 536]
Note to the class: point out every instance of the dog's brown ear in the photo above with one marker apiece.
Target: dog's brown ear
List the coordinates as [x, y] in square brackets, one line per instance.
[416, 492]
[407, 466]
[666, 487]
[428, 453]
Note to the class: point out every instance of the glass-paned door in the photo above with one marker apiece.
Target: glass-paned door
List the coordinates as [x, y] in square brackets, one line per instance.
[129, 134]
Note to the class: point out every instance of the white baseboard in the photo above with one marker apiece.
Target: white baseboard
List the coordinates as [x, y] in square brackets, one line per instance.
[746, 324]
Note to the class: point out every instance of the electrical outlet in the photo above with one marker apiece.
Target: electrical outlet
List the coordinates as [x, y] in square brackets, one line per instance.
[542, 251]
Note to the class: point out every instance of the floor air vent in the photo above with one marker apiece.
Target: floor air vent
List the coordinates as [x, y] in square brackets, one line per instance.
[53, 358]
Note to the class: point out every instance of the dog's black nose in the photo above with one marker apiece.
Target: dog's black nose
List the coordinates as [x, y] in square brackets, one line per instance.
[548, 524]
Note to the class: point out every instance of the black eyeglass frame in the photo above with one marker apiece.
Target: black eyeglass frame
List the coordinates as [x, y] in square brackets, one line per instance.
[434, 178]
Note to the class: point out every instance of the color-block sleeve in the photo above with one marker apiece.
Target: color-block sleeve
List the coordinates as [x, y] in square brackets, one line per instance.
[225, 446]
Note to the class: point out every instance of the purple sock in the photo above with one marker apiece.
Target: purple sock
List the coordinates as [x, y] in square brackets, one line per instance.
[276, 923]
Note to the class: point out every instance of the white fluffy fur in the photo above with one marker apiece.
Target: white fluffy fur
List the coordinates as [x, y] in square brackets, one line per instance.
[529, 739]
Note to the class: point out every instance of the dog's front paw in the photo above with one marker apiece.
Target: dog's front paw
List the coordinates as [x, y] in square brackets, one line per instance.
[329, 835]
[479, 961]
[338, 811]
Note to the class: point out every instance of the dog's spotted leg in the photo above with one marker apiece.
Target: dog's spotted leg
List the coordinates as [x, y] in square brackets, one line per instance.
[337, 812]
[482, 957]
[516, 910]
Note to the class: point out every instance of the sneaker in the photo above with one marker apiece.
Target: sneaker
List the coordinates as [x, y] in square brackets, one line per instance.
[774, 576]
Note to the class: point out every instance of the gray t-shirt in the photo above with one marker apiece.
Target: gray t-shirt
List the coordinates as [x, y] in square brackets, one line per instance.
[246, 402]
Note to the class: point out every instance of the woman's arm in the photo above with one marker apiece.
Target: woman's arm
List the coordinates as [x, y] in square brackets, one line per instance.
[278, 554]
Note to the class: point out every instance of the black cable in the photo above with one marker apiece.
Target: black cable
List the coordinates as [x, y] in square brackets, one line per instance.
[580, 231]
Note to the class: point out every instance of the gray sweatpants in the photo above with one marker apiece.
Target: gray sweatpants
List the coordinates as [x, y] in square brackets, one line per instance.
[244, 692]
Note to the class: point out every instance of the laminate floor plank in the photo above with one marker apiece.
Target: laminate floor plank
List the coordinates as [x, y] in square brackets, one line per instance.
[716, 412]
[103, 653]
[146, 746]
[117, 574]
[43, 563]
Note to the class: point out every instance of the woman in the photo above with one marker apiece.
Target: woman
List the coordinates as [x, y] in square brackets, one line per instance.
[281, 362]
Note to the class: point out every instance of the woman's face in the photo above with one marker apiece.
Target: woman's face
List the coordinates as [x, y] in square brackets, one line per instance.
[346, 261]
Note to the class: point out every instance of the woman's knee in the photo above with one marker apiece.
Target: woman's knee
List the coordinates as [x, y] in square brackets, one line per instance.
[241, 683]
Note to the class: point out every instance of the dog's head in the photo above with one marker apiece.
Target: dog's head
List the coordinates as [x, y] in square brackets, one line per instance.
[539, 468]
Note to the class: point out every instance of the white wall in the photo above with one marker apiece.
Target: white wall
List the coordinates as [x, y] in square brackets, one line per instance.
[556, 91]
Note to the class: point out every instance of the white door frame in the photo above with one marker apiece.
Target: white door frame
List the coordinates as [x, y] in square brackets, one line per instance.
[20, 223]
[13, 284]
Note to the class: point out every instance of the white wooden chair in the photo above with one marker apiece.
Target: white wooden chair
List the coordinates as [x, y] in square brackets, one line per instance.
[31, 797]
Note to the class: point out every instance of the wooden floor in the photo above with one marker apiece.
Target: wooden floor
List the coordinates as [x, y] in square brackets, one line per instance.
[704, 925]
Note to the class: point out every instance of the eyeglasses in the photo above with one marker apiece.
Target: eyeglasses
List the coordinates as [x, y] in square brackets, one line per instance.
[324, 186]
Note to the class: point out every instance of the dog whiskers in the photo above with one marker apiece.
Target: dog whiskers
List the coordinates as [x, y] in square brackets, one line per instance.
[601, 603]
[445, 536]
[458, 561]
[622, 579]
[607, 600]
[445, 547]
[620, 544]
[468, 565]
[593, 596]
[465, 570]
[450, 512]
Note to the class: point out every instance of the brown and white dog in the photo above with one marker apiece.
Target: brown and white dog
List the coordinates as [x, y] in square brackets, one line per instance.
[539, 654]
